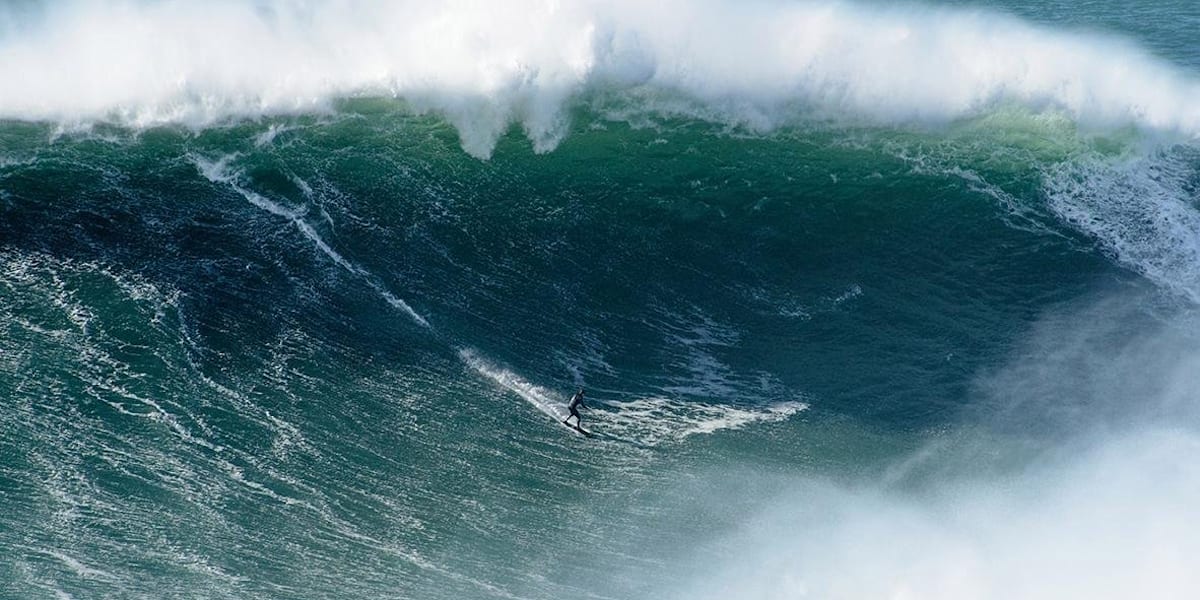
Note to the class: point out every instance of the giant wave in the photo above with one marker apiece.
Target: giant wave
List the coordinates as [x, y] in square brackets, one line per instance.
[870, 300]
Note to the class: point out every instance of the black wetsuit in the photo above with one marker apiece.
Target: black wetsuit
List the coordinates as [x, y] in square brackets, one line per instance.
[576, 402]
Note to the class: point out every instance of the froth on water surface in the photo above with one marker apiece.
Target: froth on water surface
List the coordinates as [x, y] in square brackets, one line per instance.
[477, 64]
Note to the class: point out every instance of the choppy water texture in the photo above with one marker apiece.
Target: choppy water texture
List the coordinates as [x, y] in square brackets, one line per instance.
[870, 300]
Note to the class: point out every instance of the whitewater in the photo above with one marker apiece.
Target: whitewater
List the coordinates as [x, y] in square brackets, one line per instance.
[485, 66]
[870, 299]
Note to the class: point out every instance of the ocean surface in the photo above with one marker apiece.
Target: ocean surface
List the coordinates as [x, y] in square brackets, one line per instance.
[871, 300]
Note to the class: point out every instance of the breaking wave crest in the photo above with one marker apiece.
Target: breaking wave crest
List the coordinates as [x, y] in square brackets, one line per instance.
[486, 66]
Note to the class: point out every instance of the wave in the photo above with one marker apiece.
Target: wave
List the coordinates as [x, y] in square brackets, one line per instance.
[486, 66]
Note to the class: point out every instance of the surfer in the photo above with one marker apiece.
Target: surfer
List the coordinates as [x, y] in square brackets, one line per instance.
[576, 402]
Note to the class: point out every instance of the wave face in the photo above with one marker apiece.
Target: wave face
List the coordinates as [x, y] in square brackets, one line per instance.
[868, 301]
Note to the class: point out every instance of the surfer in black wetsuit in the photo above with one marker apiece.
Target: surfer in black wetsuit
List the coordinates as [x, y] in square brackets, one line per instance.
[576, 402]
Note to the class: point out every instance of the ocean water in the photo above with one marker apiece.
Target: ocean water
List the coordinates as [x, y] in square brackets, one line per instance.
[870, 299]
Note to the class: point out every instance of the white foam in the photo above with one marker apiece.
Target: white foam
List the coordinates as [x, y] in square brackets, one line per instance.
[218, 171]
[1140, 209]
[267, 137]
[655, 420]
[648, 421]
[539, 397]
[485, 65]
[79, 568]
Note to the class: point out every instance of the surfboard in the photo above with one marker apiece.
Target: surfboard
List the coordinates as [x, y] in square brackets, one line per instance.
[577, 428]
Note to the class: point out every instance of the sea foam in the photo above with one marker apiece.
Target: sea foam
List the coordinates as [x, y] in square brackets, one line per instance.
[486, 66]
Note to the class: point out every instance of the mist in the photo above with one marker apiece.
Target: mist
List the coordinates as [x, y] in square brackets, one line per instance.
[1073, 475]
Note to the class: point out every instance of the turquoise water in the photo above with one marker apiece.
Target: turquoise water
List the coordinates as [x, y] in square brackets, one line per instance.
[870, 300]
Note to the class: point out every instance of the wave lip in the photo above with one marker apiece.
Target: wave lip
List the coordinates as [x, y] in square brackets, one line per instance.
[488, 65]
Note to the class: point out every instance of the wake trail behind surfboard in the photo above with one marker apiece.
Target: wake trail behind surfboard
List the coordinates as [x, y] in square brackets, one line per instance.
[539, 397]
[644, 422]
